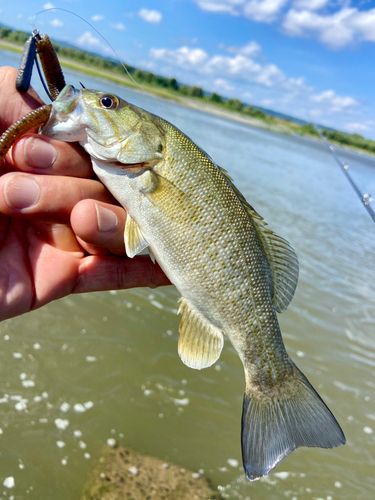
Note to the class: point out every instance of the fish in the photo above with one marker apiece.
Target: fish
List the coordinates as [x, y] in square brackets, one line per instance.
[233, 273]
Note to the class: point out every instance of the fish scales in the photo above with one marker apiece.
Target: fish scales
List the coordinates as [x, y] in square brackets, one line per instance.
[229, 257]
[233, 273]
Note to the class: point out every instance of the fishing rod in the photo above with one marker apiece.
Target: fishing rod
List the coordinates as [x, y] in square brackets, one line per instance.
[365, 198]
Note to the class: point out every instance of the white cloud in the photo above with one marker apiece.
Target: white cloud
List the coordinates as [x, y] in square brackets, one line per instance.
[237, 67]
[359, 126]
[257, 10]
[97, 17]
[118, 26]
[87, 39]
[184, 57]
[221, 84]
[336, 30]
[333, 102]
[251, 49]
[263, 10]
[56, 23]
[48, 5]
[310, 4]
[150, 16]
[229, 6]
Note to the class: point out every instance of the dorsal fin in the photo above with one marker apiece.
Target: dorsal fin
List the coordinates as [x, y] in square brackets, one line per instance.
[280, 255]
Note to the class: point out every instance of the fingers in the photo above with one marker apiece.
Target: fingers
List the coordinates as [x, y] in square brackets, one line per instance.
[43, 155]
[113, 273]
[43, 198]
[99, 224]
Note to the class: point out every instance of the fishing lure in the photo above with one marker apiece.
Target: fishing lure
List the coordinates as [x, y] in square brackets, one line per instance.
[41, 45]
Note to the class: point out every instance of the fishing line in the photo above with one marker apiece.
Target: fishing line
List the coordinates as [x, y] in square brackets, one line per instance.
[102, 37]
[365, 198]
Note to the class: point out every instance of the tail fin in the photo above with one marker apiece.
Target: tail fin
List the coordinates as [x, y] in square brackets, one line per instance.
[272, 427]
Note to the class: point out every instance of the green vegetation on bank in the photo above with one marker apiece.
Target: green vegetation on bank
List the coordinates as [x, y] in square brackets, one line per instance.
[97, 64]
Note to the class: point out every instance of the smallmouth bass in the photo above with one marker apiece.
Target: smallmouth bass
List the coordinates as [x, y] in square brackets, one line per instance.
[233, 273]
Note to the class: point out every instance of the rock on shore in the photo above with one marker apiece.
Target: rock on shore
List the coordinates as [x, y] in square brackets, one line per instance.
[124, 474]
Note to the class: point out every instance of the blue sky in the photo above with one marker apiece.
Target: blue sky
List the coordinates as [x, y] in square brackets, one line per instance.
[313, 59]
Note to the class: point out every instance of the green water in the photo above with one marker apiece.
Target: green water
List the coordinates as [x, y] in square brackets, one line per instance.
[101, 366]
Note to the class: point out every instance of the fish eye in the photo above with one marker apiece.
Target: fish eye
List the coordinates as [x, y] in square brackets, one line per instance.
[109, 102]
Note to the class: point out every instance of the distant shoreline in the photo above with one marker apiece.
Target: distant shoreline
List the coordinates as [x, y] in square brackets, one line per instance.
[278, 126]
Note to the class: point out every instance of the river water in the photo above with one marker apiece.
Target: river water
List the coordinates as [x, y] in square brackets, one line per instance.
[101, 366]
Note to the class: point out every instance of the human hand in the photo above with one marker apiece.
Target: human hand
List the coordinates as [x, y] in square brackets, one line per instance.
[61, 231]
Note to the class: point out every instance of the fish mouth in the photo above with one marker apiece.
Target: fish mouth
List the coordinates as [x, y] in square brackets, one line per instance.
[64, 121]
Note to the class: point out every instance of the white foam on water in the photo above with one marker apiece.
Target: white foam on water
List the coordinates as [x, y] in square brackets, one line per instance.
[6, 337]
[111, 442]
[65, 407]
[181, 402]
[232, 462]
[88, 405]
[87, 455]
[21, 405]
[64, 461]
[61, 423]
[9, 482]
[37, 399]
[196, 475]
[338, 484]
[1, 431]
[282, 475]
[23, 376]
[17, 355]
[82, 445]
[77, 433]
[60, 444]
[368, 430]
[28, 383]
[91, 359]
[36, 346]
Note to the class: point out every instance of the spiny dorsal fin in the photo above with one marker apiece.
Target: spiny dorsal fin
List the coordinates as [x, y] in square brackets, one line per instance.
[281, 256]
[200, 343]
[135, 242]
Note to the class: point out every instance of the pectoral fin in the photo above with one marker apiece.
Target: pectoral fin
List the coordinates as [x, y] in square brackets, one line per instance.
[200, 343]
[135, 242]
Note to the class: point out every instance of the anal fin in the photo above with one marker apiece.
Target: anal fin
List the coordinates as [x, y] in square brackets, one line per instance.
[200, 342]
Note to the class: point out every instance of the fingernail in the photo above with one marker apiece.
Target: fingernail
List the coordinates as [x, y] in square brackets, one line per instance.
[107, 220]
[21, 192]
[39, 153]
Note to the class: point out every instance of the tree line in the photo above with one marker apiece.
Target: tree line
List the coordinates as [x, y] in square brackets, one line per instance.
[171, 84]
